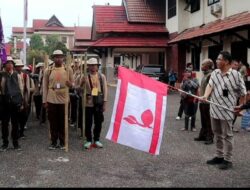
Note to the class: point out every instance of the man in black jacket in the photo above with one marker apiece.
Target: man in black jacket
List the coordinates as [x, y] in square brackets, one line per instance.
[12, 88]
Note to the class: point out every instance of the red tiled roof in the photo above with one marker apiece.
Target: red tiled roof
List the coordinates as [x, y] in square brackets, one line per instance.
[83, 33]
[234, 21]
[114, 19]
[20, 30]
[9, 46]
[40, 24]
[131, 42]
[83, 43]
[146, 11]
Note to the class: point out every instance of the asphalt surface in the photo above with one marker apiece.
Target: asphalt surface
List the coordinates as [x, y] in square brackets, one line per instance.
[181, 163]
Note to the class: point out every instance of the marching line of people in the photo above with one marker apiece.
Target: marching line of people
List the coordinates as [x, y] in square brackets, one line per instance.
[50, 89]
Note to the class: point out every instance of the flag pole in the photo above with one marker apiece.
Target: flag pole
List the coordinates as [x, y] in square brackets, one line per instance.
[32, 97]
[46, 65]
[24, 31]
[199, 98]
[66, 119]
[84, 92]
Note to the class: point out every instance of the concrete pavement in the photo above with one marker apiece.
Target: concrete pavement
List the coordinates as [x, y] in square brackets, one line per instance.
[181, 163]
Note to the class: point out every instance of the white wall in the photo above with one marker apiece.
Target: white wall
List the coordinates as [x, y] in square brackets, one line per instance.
[185, 19]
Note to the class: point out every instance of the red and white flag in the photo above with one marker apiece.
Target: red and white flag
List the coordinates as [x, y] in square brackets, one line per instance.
[139, 111]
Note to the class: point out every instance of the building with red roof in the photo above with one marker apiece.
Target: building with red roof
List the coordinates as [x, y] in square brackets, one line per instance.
[73, 37]
[131, 34]
[201, 29]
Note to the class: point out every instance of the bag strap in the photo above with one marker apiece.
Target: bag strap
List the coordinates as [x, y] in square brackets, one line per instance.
[90, 82]
[100, 79]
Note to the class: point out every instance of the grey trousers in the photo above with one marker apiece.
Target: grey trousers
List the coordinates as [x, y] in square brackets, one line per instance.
[223, 138]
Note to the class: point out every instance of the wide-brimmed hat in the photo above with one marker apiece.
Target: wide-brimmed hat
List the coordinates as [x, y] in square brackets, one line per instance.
[9, 60]
[93, 61]
[26, 68]
[57, 52]
[18, 63]
[40, 64]
[50, 62]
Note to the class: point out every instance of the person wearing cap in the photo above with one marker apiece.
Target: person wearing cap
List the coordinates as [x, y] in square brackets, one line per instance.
[73, 94]
[29, 88]
[37, 77]
[23, 114]
[12, 88]
[56, 81]
[96, 86]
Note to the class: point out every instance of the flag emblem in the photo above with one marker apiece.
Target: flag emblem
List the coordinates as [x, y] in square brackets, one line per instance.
[139, 111]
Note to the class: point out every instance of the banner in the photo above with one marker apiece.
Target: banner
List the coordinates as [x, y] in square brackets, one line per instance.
[3, 56]
[139, 111]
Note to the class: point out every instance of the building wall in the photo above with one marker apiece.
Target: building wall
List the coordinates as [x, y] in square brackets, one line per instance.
[184, 19]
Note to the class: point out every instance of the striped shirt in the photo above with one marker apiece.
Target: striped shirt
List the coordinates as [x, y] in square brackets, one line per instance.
[231, 81]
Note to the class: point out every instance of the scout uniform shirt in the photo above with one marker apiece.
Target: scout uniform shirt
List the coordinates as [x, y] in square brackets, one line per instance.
[96, 84]
[55, 90]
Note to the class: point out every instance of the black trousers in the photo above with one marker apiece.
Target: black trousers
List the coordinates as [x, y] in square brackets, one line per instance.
[180, 112]
[206, 132]
[38, 104]
[10, 114]
[56, 116]
[93, 114]
[190, 109]
[22, 119]
[73, 108]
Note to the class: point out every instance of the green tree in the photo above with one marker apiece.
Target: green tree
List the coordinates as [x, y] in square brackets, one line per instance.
[36, 42]
[37, 54]
[53, 43]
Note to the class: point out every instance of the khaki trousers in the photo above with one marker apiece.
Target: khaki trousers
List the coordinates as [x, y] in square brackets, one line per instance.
[223, 138]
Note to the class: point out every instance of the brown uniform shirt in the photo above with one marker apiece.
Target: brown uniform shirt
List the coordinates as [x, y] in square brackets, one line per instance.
[54, 84]
[96, 83]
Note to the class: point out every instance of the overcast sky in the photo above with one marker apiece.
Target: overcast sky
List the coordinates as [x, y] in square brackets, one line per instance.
[69, 12]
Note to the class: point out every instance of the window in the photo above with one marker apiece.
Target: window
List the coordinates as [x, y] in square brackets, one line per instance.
[171, 8]
[195, 58]
[210, 2]
[64, 40]
[195, 5]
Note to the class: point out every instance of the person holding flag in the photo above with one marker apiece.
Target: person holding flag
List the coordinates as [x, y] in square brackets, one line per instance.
[224, 87]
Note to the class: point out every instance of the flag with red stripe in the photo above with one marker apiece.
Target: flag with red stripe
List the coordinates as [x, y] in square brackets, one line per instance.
[139, 111]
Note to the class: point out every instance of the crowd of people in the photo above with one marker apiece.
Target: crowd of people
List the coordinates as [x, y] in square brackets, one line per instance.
[54, 88]
[222, 95]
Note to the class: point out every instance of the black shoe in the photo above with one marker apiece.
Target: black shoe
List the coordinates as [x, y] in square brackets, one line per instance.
[215, 160]
[199, 139]
[209, 142]
[3, 148]
[61, 146]
[17, 147]
[225, 165]
[22, 136]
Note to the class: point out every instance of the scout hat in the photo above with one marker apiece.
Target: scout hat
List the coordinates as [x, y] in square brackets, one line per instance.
[18, 63]
[40, 64]
[57, 52]
[93, 61]
[9, 60]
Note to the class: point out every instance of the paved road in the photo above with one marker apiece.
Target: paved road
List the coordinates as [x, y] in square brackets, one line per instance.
[181, 162]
